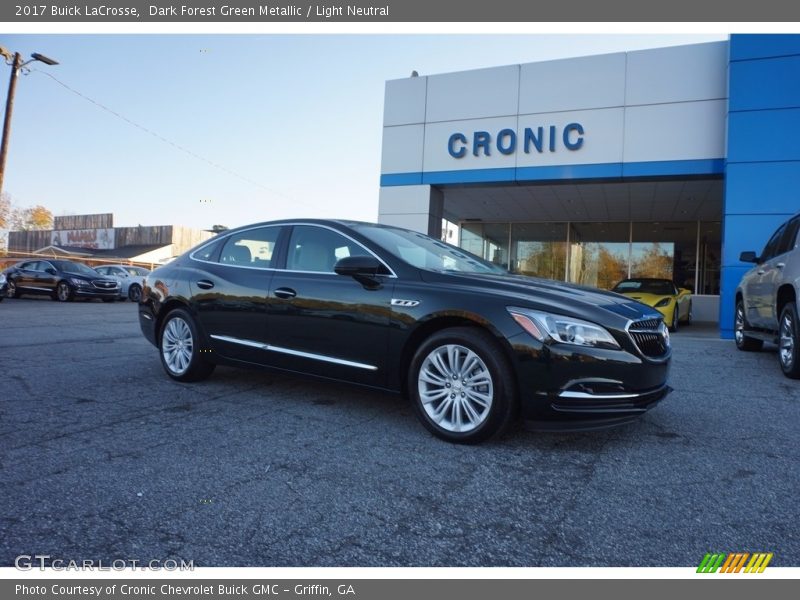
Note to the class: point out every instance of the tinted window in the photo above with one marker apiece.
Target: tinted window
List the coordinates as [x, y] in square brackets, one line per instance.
[102, 270]
[251, 248]
[789, 236]
[771, 249]
[660, 287]
[317, 249]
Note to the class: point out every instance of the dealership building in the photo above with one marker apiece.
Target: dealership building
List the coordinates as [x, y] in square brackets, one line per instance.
[655, 163]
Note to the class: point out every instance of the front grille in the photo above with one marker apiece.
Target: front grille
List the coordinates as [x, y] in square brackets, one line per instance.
[650, 336]
[104, 285]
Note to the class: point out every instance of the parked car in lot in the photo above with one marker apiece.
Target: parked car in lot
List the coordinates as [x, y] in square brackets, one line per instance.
[62, 280]
[674, 303]
[3, 286]
[469, 343]
[767, 298]
[129, 278]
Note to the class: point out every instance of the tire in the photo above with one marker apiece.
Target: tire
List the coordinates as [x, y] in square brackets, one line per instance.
[488, 404]
[64, 292]
[689, 316]
[744, 343]
[788, 342]
[676, 317]
[11, 291]
[134, 292]
[179, 348]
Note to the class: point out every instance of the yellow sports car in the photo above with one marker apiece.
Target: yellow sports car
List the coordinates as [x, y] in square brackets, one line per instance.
[671, 301]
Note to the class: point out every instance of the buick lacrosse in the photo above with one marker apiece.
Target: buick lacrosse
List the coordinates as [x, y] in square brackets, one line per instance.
[473, 346]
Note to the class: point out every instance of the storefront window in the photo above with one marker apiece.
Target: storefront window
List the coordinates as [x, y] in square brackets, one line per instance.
[487, 240]
[539, 249]
[710, 252]
[665, 251]
[598, 253]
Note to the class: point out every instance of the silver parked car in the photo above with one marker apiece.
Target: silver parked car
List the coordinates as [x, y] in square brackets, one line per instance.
[767, 298]
[129, 277]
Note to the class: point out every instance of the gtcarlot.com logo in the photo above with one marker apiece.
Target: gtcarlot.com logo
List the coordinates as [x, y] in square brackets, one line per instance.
[735, 562]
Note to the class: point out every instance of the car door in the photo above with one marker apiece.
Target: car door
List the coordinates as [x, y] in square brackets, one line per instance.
[757, 285]
[47, 277]
[229, 283]
[771, 273]
[323, 323]
[24, 278]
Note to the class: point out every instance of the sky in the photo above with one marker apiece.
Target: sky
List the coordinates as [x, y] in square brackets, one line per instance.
[232, 129]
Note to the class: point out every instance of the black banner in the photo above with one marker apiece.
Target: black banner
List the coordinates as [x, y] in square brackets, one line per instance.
[354, 11]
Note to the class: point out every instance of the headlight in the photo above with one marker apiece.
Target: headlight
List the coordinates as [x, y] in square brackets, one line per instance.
[78, 282]
[2, 278]
[557, 328]
[663, 303]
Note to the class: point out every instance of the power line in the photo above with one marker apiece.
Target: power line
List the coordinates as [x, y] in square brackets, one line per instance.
[161, 138]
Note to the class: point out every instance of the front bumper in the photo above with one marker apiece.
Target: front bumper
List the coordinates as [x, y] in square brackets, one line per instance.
[87, 292]
[570, 388]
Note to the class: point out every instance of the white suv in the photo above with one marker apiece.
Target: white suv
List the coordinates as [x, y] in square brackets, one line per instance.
[767, 298]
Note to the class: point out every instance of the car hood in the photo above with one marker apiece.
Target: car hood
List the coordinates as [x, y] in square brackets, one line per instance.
[649, 299]
[550, 295]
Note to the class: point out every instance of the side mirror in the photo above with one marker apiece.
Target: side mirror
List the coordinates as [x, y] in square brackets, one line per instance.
[366, 266]
[748, 256]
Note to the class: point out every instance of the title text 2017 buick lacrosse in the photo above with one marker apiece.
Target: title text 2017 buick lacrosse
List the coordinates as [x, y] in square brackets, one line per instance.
[473, 346]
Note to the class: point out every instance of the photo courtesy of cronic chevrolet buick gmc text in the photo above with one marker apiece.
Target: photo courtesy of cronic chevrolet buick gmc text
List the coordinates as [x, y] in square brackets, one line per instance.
[472, 345]
[766, 299]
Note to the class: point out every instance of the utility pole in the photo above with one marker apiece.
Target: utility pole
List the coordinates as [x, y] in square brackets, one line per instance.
[12, 88]
[16, 66]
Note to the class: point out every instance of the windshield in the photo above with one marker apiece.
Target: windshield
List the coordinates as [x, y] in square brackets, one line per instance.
[660, 287]
[425, 252]
[76, 268]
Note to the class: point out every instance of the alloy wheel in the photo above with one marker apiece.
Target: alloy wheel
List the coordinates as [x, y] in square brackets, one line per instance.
[738, 325]
[63, 292]
[177, 345]
[455, 388]
[11, 291]
[786, 341]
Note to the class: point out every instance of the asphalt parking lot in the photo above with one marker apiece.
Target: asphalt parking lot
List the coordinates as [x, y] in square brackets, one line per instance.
[102, 456]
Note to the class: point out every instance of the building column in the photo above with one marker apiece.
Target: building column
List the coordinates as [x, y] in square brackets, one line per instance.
[415, 207]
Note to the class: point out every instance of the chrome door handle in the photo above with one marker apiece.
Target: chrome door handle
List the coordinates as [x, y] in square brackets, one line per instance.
[780, 265]
[285, 293]
[760, 272]
[205, 284]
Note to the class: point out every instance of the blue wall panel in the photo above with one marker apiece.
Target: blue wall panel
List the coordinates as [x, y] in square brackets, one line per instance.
[763, 152]
[748, 47]
[764, 84]
[764, 135]
[762, 187]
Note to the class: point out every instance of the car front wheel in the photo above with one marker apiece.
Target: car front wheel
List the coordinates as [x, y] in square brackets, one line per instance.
[743, 342]
[134, 293]
[461, 386]
[11, 291]
[64, 292]
[180, 348]
[788, 350]
[675, 319]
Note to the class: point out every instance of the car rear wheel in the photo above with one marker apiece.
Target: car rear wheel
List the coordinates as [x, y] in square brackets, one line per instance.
[64, 292]
[788, 349]
[461, 386]
[179, 346]
[743, 342]
[134, 293]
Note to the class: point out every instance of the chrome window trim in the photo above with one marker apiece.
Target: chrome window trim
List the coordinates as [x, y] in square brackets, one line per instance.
[300, 353]
[585, 395]
[391, 275]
